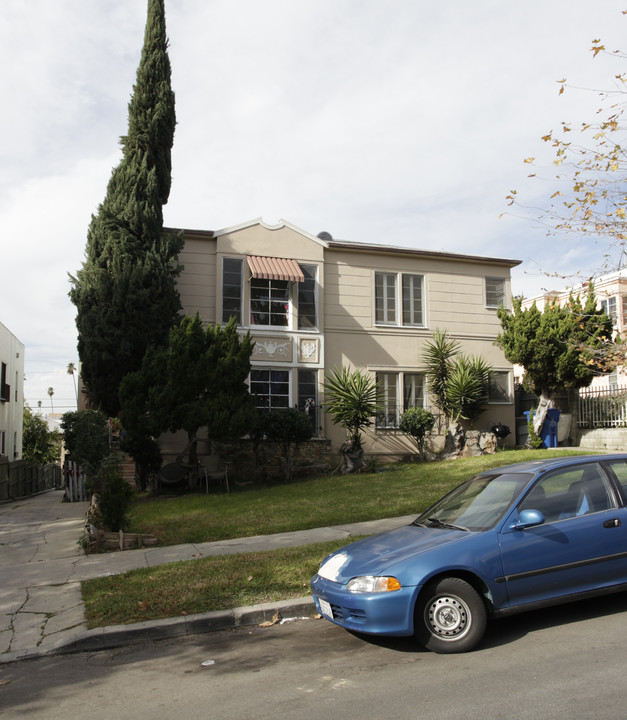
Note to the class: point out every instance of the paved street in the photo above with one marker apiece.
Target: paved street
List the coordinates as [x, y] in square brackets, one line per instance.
[42, 565]
[567, 662]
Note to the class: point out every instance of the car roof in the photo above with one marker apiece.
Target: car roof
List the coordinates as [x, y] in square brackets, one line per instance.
[538, 466]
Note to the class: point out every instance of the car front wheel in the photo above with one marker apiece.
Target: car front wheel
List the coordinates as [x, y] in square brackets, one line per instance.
[450, 616]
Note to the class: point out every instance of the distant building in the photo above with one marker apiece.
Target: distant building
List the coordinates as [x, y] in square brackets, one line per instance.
[611, 293]
[11, 394]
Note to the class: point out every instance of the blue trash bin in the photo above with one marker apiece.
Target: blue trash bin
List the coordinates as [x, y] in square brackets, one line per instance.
[549, 428]
[548, 432]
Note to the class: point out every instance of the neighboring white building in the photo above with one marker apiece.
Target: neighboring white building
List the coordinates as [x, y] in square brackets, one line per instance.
[611, 293]
[11, 394]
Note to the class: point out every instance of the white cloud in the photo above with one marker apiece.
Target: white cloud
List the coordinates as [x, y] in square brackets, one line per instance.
[394, 122]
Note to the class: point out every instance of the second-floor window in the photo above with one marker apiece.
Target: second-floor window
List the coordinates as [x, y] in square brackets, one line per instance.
[272, 302]
[307, 299]
[390, 307]
[269, 302]
[232, 289]
[494, 292]
[5, 388]
[608, 305]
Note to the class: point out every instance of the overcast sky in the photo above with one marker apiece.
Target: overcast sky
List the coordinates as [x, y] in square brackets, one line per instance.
[388, 121]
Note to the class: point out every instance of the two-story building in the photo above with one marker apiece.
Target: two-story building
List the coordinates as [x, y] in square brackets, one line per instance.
[312, 303]
[11, 394]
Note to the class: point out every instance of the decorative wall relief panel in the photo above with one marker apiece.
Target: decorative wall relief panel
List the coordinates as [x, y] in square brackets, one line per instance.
[308, 350]
[275, 349]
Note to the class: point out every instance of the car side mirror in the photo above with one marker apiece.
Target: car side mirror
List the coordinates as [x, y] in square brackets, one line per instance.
[529, 518]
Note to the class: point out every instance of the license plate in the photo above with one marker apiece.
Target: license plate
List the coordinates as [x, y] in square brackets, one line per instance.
[325, 608]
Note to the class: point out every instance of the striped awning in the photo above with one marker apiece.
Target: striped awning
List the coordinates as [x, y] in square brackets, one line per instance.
[272, 268]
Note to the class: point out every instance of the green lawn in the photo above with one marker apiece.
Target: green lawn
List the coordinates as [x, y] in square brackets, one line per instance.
[235, 580]
[313, 502]
[195, 586]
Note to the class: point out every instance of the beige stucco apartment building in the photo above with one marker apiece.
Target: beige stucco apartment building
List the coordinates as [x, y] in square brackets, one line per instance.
[11, 394]
[312, 303]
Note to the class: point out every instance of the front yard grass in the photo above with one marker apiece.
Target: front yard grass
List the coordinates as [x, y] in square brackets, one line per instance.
[314, 502]
[198, 586]
[223, 582]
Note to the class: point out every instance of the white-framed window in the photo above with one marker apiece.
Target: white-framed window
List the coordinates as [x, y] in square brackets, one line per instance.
[414, 390]
[269, 302]
[385, 298]
[399, 290]
[232, 289]
[393, 386]
[494, 292]
[499, 387]
[308, 396]
[271, 387]
[413, 313]
[608, 305]
[307, 301]
[387, 397]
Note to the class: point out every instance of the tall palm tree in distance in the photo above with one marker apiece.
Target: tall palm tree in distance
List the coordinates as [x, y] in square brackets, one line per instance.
[71, 369]
[51, 393]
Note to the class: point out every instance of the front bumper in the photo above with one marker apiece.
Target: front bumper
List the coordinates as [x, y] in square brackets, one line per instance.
[390, 613]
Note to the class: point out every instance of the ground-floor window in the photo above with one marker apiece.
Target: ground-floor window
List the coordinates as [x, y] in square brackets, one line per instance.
[308, 397]
[499, 387]
[411, 387]
[271, 388]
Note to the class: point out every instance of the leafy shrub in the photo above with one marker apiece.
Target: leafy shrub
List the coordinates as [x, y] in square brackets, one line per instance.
[533, 440]
[86, 437]
[417, 422]
[115, 497]
[288, 428]
[39, 444]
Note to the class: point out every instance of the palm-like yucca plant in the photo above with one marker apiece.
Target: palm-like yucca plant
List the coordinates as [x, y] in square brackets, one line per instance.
[438, 359]
[467, 388]
[351, 400]
[458, 383]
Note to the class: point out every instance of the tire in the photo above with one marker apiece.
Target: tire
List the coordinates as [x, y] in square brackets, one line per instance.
[450, 616]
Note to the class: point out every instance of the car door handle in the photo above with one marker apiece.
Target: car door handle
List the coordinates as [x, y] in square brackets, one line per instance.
[614, 522]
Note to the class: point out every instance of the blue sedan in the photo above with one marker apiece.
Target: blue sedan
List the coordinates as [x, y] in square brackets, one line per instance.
[510, 539]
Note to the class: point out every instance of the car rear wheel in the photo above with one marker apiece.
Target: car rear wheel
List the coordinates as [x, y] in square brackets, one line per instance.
[450, 616]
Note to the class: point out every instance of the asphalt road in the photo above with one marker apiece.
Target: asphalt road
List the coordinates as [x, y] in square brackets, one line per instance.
[565, 662]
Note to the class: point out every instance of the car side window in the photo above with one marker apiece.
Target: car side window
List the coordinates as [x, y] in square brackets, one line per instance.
[620, 470]
[570, 493]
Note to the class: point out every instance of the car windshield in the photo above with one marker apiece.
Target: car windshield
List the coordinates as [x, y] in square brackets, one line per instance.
[477, 504]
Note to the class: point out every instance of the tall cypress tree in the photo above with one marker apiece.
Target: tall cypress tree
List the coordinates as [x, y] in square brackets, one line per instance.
[125, 293]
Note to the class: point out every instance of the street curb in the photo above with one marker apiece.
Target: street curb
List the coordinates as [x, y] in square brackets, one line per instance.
[115, 636]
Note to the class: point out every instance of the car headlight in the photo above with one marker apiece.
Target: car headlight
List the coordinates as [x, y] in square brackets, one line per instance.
[373, 584]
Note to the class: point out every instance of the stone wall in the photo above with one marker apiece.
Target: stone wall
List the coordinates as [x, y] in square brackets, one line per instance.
[249, 462]
[604, 439]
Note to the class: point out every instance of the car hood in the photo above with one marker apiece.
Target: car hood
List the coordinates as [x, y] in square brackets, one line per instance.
[377, 555]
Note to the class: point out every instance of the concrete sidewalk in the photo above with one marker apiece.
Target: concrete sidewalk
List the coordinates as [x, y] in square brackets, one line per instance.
[42, 565]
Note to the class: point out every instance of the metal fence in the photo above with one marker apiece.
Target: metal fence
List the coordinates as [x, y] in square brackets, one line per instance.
[603, 407]
[389, 418]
